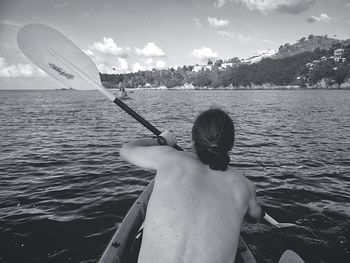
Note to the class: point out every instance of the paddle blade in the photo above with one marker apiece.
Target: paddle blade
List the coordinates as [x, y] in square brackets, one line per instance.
[286, 225]
[289, 256]
[54, 53]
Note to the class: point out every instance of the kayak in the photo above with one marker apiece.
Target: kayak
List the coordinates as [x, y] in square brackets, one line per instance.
[125, 244]
[122, 95]
[48, 48]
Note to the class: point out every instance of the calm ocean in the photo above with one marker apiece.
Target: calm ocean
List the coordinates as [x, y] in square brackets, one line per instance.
[64, 188]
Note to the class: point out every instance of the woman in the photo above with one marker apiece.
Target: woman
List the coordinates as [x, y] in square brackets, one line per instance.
[198, 202]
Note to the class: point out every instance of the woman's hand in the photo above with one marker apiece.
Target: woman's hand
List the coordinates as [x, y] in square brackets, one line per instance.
[169, 137]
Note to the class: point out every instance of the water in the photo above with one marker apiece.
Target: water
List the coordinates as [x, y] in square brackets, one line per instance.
[64, 188]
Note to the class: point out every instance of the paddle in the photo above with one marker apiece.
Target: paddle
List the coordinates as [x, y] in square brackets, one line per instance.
[290, 256]
[63, 60]
[273, 222]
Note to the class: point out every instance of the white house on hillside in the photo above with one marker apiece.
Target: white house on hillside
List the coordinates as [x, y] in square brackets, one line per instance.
[338, 53]
[197, 68]
[226, 65]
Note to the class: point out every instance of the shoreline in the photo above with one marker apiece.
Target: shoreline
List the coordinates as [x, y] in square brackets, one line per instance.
[266, 86]
[197, 89]
[240, 88]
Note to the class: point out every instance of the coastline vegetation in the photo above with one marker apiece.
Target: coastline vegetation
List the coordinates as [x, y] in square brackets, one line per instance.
[291, 67]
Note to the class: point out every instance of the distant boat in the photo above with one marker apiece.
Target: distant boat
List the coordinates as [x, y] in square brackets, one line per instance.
[122, 95]
[64, 88]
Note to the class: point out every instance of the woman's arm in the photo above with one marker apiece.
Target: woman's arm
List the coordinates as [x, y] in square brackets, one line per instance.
[148, 153]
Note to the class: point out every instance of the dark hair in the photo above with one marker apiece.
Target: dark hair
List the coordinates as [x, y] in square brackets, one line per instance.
[213, 136]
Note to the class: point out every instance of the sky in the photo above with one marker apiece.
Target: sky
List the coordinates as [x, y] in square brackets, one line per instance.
[132, 35]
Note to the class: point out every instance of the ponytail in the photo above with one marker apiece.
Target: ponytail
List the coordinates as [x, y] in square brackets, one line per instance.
[215, 160]
[213, 137]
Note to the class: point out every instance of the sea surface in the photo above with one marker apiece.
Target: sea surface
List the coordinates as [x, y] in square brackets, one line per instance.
[64, 189]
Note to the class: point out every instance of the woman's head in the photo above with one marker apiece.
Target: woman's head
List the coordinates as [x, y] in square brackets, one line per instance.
[213, 136]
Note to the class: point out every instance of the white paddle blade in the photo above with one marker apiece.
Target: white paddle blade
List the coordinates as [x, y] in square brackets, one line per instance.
[58, 56]
[289, 256]
[287, 225]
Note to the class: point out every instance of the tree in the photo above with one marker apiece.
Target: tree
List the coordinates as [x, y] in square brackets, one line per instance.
[324, 69]
[234, 60]
[310, 37]
[201, 79]
[341, 74]
[218, 63]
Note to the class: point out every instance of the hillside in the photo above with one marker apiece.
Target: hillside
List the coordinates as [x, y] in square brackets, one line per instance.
[259, 55]
[317, 62]
[307, 45]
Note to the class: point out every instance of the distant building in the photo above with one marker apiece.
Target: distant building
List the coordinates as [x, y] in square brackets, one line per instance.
[338, 53]
[187, 86]
[259, 55]
[226, 65]
[208, 67]
[197, 68]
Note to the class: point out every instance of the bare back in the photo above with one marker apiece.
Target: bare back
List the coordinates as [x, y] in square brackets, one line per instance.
[195, 213]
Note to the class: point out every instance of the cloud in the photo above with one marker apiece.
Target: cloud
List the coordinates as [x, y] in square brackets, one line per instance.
[138, 67]
[243, 38]
[283, 6]
[11, 23]
[347, 4]
[60, 5]
[204, 53]
[160, 64]
[148, 64]
[214, 22]
[268, 41]
[123, 65]
[321, 18]
[112, 67]
[97, 57]
[233, 35]
[150, 50]
[104, 68]
[19, 70]
[109, 47]
[149, 61]
[198, 23]
[109, 57]
[220, 3]
[226, 34]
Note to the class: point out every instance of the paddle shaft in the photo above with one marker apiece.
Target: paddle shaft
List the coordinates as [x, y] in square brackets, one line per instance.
[140, 119]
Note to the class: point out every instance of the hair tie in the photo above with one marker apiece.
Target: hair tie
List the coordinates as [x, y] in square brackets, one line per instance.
[214, 148]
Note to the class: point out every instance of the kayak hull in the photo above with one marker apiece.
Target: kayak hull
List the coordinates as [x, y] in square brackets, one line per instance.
[122, 95]
[124, 246]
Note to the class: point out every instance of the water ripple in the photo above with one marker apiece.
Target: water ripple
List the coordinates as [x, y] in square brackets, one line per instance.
[64, 188]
